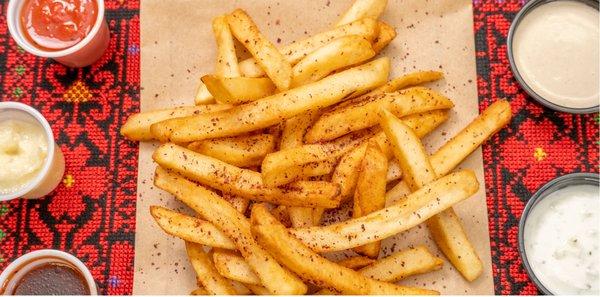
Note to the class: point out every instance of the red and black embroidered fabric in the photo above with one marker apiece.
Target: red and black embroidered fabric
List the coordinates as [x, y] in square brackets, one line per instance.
[92, 213]
[539, 144]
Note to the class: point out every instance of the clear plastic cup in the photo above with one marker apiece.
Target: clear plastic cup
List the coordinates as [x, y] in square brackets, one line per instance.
[53, 169]
[82, 54]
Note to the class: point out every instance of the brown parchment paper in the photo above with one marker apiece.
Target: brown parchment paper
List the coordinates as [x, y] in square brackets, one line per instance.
[177, 47]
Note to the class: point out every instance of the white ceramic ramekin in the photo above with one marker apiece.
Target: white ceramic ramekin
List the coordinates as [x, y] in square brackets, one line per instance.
[16, 270]
[84, 53]
[54, 166]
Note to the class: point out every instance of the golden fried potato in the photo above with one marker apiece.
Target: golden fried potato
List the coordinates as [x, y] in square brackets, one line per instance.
[206, 273]
[278, 69]
[238, 90]
[241, 151]
[362, 9]
[314, 268]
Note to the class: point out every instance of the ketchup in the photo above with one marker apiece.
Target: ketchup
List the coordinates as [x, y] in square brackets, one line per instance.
[55, 25]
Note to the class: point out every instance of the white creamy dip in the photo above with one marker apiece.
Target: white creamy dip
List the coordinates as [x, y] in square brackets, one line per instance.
[23, 150]
[556, 51]
[561, 240]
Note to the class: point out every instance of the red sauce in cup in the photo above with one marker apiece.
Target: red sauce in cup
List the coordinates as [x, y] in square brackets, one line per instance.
[55, 25]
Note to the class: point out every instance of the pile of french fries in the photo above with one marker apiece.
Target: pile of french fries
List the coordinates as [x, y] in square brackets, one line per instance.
[275, 140]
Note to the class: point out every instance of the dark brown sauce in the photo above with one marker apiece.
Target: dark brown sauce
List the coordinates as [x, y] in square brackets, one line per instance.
[53, 278]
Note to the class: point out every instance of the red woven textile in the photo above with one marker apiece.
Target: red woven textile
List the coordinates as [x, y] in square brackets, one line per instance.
[539, 145]
[92, 213]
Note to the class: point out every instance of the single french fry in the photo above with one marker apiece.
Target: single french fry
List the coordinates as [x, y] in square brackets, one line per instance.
[491, 120]
[317, 215]
[236, 226]
[243, 182]
[203, 96]
[312, 267]
[446, 228]
[137, 126]
[301, 216]
[362, 9]
[356, 262]
[189, 228]
[266, 54]
[240, 288]
[369, 195]
[281, 212]
[273, 109]
[394, 172]
[233, 266]
[366, 27]
[239, 203]
[346, 172]
[403, 264]
[408, 80]
[365, 114]
[238, 90]
[387, 33]
[285, 166]
[206, 273]
[241, 151]
[227, 63]
[409, 151]
[398, 192]
[411, 211]
[338, 54]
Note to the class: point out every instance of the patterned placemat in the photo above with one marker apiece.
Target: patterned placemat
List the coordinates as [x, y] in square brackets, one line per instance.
[538, 146]
[91, 214]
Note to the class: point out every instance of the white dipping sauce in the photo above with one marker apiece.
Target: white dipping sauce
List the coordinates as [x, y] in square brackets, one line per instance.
[556, 49]
[561, 240]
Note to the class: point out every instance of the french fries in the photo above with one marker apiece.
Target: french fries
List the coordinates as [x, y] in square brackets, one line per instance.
[199, 291]
[236, 226]
[346, 172]
[365, 114]
[398, 266]
[340, 53]
[266, 54]
[409, 80]
[411, 211]
[241, 151]
[314, 268]
[233, 266]
[243, 182]
[446, 228]
[387, 33]
[271, 110]
[285, 166]
[190, 229]
[403, 264]
[491, 120]
[203, 95]
[325, 126]
[238, 90]
[206, 273]
[363, 9]
[137, 126]
[370, 191]
[226, 62]
[366, 27]
[356, 262]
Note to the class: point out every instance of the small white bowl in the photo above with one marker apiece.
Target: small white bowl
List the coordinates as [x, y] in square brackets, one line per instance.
[54, 166]
[82, 54]
[16, 270]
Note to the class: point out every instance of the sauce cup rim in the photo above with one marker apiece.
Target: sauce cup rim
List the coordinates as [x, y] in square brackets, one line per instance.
[12, 18]
[528, 7]
[41, 120]
[553, 185]
[45, 253]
